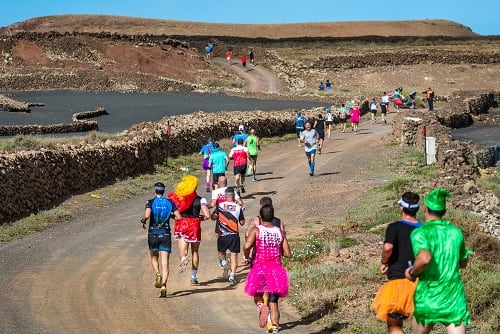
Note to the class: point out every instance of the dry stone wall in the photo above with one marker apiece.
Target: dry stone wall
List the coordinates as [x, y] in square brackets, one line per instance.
[35, 180]
[459, 161]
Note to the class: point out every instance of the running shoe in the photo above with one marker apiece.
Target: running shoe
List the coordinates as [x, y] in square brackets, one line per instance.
[242, 189]
[254, 179]
[263, 314]
[194, 281]
[232, 281]
[311, 173]
[163, 292]
[226, 268]
[183, 264]
[158, 280]
[273, 328]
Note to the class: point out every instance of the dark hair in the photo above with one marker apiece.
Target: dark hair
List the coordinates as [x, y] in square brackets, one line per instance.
[240, 141]
[320, 116]
[159, 188]
[410, 198]
[266, 201]
[437, 213]
[267, 213]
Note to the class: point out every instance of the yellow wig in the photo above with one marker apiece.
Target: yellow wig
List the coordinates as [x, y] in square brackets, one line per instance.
[187, 186]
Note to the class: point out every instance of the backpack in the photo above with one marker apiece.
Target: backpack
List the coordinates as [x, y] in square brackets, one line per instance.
[161, 209]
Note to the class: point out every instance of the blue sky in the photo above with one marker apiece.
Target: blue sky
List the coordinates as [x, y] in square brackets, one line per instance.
[482, 16]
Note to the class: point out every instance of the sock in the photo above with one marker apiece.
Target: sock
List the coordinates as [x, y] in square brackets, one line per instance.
[312, 166]
[223, 262]
[193, 273]
[231, 276]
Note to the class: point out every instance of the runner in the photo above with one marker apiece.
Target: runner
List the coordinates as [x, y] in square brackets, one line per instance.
[219, 194]
[267, 277]
[329, 121]
[394, 299]
[253, 144]
[206, 150]
[440, 253]
[228, 215]
[310, 139]
[384, 108]
[355, 116]
[257, 220]
[158, 211]
[239, 155]
[343, 114]
[187, 230]
[299, 121]
[229, 56]
[240, 134]
[217, 162]
[251, 56]
[373, 110]
[244, 62]
[319, 126]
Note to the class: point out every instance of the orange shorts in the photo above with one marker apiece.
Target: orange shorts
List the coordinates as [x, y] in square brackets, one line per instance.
[188, 229]
[395, 296]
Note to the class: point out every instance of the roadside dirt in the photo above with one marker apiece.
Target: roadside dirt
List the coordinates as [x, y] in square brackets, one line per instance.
[92, 274]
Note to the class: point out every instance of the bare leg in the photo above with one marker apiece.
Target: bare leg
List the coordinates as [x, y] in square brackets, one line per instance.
[452, 329]
[183, 248]
[421, 329]
[237, 181]
[234, 262]
[195, 246]
[394, 326]
[154, 261]
[275, 313]
[165, 267]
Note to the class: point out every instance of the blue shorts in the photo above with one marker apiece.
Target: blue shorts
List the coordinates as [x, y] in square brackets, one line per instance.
[311, 152]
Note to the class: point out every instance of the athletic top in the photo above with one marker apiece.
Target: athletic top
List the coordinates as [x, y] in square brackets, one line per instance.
[320, 125]
[217, 160]
[310, 138]
[206, 149]
[194, 210]
[219, 195]
[252, 145]
[299, 121]
[398, 234]
[229, 216]
[373, 105]
[161, 209]
[239, 155]
[268, 245]
[329, 117]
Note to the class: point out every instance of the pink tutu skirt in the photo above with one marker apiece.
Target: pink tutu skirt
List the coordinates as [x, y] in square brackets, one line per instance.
[267, 277]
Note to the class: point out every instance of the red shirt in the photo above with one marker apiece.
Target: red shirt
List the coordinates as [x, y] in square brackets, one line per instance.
[244, 59]
[239, 155]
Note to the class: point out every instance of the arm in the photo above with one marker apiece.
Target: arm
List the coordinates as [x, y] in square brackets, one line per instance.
[145, 217]
[386, 254]
[252, 236]
[205, 213]
[286, 247]
[422, 260]
[212, 203]
[177, 215]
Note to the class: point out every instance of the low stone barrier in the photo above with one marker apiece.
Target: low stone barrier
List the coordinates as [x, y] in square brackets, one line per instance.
[34, 180]
[14, 130]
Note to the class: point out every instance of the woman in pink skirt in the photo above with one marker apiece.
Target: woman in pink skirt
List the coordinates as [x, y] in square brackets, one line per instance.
[355, 115]
[268, 279]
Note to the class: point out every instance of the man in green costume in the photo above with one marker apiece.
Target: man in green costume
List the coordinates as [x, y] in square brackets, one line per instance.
[439, 254]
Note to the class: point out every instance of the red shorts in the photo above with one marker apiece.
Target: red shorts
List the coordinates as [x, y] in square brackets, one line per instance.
[188, 229]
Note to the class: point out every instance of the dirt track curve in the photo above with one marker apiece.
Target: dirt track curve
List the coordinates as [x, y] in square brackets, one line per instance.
[92, 274]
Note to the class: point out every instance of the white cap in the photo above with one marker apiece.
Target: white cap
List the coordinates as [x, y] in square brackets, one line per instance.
[241, 128]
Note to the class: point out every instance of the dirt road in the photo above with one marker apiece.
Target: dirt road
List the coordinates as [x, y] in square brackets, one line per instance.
[92, 274]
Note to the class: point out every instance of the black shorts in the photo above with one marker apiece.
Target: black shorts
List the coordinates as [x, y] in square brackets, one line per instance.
[343, 120]
[216, 177]
[298, 132]
[230, 241]
[240, 170]
[159, 241]
[321, 134]
[329, 122]
[383, 108]
[253, 157]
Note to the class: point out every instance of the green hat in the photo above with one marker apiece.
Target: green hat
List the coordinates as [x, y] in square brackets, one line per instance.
[436, 200]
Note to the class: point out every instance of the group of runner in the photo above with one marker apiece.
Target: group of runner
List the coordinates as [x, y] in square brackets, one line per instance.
[265, 239]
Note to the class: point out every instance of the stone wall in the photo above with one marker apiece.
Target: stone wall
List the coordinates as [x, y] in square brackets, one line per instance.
[14, 130]
[458, 161]
[35, 180]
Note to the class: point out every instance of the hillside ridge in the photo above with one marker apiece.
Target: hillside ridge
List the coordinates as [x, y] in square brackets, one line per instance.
[142, 26]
